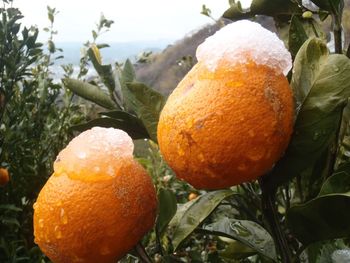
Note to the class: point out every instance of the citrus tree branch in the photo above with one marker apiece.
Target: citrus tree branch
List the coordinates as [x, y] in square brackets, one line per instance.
[142, 254]
[270, 214]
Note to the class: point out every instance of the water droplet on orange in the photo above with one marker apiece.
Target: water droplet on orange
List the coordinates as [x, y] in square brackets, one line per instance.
[181, 152]
[251, 133]
[58, 232]
[63, 217]
[242, 167]
[201, 157]
[104, 250]
[41, 223]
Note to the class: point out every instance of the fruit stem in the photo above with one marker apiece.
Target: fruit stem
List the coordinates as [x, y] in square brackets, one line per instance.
[141, 252]
[269, 209]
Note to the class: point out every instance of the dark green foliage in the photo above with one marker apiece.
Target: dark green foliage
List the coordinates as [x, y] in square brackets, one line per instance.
[35, 116]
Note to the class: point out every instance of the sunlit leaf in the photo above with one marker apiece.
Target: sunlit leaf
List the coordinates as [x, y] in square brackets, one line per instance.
[196, 213]
[89, 92]
[104, 71]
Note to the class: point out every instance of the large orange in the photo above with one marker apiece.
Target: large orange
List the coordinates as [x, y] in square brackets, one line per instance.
[226, 126]
[98, 203]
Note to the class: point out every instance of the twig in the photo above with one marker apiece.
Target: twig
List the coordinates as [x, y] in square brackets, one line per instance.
[142, 254]
[270, 213]
[158, 241]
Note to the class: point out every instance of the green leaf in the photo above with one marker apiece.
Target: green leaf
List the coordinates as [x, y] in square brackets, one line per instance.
[126, 122]
[236, 250]
[104, 71]
[297, 35]
[8, 221]
[146, 103]
[201, 208]
[321, 84]
[273, 7]
[128, 73]
[343, 156]
[326, 252]
[327, 5]
[247, 232]
[89, 92]
[181, 209]
[262, 7]
[10, 207]
[325, 217]
[167, 208]
[337, 183]
[235, 12]
[307, 67]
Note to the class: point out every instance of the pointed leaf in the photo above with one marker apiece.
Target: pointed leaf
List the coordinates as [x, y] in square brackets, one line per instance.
[322, 85]
[307, 66]
[128, 73]
[104, 71]
[325, 217]
[167, 208]
[10, 207]
[337, 183]
[147, 104]
[297, 35]
[247, 232]
[89, 92]
[127, 123]
[201, 208]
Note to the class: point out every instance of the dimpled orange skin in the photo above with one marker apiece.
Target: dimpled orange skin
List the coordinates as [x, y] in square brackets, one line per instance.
[4, 176]
[94, 220]
[225, 127]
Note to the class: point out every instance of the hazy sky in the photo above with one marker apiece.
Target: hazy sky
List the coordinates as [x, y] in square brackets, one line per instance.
[133, 19]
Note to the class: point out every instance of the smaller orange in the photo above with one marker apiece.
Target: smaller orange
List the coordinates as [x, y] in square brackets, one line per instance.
[98, 203]
[192, 196]
[4, 176]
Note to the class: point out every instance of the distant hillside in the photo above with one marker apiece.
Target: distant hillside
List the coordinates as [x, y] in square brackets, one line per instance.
[166, 69]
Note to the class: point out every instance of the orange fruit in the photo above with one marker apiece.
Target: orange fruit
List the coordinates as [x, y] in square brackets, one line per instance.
[98, 203]
[4, 176]
[227, 124]
[192, 196]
